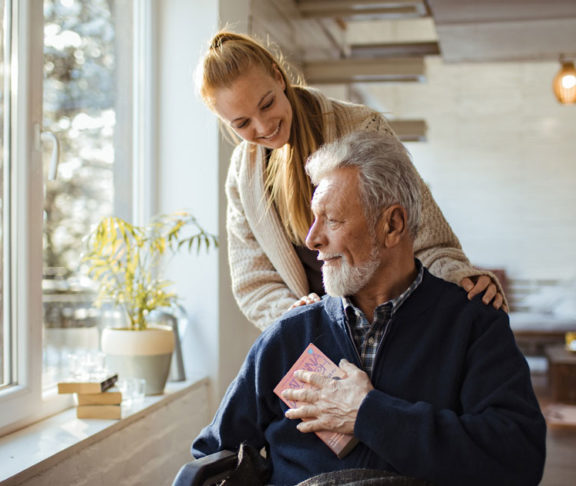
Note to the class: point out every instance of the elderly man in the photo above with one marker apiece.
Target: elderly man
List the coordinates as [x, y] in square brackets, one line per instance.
[434, 387]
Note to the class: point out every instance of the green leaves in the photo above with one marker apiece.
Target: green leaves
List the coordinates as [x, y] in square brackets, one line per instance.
[124, 259]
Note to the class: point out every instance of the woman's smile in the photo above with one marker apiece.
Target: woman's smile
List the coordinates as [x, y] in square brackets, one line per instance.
[273, 134]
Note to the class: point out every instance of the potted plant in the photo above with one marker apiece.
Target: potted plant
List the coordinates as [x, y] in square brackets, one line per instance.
[126, 261]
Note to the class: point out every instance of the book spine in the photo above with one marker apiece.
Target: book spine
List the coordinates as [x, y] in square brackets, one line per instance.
[104, 398]
[87, 386]
[99, 411]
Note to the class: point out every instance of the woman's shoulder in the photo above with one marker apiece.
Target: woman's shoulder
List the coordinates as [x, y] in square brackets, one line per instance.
[344, 117]
[243, 155]
[348, 117]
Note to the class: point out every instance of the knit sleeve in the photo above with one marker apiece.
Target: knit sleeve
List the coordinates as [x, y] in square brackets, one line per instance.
[438, 248]
[261, 293]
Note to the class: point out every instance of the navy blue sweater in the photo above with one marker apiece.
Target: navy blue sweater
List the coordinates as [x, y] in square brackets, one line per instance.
[453, 402]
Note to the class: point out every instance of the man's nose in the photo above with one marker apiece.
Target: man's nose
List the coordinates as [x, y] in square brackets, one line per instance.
[313, 238]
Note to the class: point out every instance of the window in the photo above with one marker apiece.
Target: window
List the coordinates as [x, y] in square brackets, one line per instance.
[87, 113]
[4, 328]
[67, 158]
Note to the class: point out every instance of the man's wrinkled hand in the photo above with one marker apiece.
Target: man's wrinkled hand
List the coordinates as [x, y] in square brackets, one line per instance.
[328, 403]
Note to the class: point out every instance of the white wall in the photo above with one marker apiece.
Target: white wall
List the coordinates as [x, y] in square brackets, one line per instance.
[188, 168]
[500, 160]
[193, 161]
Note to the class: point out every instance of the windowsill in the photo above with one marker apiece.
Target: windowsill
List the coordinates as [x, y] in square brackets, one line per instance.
[44, 443]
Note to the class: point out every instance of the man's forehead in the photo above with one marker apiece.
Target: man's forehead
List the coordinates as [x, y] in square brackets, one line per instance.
[337, 187]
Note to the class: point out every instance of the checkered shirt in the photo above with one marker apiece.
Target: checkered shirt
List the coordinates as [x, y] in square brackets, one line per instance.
[368, 337]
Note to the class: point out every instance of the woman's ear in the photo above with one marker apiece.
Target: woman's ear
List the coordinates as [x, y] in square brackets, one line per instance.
[392, 225]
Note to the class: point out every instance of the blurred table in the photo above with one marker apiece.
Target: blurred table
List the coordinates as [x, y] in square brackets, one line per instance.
[562, 373]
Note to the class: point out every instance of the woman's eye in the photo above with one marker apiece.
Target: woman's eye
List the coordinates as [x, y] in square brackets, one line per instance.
[268, 104]
[242, 125]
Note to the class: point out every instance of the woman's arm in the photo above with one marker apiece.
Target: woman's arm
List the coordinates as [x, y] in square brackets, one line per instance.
[261, 293]
[439, 250]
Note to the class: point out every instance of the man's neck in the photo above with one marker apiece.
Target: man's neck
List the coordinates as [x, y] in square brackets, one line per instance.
[393, 282]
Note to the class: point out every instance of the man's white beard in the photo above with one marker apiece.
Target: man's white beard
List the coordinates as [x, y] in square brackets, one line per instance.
[345, 279]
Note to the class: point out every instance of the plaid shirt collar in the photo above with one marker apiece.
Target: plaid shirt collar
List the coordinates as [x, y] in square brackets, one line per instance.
[366, 336]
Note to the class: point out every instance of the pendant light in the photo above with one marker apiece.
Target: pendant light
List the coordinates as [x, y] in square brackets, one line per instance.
[565, 83]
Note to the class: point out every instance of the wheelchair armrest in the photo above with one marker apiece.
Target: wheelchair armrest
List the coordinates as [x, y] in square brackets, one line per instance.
[207, 470]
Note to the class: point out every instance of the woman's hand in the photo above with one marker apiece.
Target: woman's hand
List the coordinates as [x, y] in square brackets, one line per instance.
[483, 283]
[307, 299]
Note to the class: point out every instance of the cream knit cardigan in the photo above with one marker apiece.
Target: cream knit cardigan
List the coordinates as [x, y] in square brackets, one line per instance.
[267, 275]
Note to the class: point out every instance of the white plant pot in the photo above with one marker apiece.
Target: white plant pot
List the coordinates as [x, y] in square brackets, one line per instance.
[140, 354]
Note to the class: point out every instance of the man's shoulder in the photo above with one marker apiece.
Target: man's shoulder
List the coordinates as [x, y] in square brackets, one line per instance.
[454, 300]
[284, 341]
[328, 308]
[325, 312]
[437, 289]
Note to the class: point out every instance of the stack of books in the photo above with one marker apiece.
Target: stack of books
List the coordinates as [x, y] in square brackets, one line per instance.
[97, 398]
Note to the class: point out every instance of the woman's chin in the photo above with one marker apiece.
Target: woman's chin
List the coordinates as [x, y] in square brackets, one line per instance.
[274, 145]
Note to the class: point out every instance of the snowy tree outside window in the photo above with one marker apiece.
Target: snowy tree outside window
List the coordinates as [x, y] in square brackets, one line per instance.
[85, 42]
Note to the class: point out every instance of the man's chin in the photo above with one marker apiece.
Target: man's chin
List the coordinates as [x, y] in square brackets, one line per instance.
[340, 292]
[337, 288]
[346, 281]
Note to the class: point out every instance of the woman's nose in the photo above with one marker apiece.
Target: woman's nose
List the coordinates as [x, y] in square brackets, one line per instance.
[263, 126]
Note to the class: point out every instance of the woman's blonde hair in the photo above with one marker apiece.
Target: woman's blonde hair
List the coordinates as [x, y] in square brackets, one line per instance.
[229, 56]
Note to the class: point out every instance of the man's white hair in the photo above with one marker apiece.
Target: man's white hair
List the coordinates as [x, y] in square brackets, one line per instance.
[386, 173]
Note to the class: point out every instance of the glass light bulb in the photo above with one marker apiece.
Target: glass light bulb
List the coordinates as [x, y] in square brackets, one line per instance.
[568, 81]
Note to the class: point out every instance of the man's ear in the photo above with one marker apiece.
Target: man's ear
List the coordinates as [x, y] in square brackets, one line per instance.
[392, 225]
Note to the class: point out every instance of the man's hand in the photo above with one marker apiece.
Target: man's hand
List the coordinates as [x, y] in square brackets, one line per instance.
[329, 404]
[483, 283]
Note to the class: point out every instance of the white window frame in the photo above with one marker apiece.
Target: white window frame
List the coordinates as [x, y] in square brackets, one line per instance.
[24, 402]
[144, 168]
[24, 398]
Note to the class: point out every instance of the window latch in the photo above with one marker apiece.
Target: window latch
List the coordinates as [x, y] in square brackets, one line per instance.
[47, 135]
[43, 136]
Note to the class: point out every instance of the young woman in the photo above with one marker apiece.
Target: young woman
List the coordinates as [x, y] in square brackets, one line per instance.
[269, 193]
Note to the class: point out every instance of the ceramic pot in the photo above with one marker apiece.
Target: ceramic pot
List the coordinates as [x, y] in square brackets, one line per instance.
[140, 354]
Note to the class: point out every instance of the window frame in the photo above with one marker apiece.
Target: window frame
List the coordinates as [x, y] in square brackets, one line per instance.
[22, 398]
